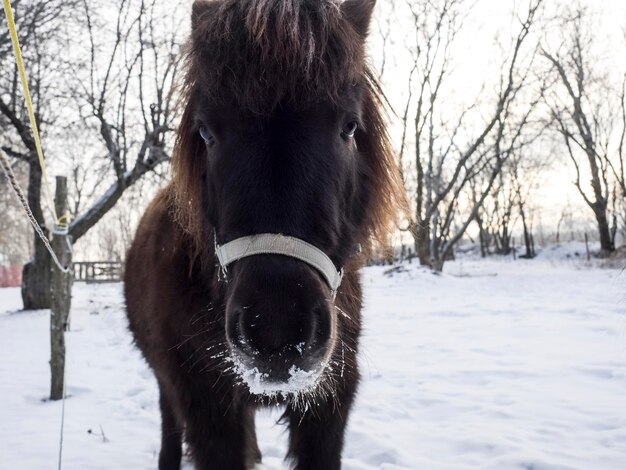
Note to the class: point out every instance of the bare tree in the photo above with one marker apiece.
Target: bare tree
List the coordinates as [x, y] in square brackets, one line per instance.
[583, 116]
[501, 205]
[115, 100]
[524, 175]
[41, 37]
[511, 201]
[448, 159]
[136, 135]
[565, 217]
[618, 167]
[385, 22]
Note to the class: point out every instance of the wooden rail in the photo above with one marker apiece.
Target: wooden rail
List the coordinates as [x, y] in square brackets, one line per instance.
[98, 271]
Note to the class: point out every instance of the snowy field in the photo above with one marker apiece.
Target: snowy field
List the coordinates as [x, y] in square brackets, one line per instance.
[492, 365]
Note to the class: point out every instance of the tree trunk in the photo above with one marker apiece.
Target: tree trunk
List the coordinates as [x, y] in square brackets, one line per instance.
[606, 243]
[483, 243]
[530, 251]
[528, 243]
[482, 237]
[422, 250]
[504, 238]
[36, 273]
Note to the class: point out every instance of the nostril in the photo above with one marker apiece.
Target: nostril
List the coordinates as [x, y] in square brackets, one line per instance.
[320, 331]
[234, 332]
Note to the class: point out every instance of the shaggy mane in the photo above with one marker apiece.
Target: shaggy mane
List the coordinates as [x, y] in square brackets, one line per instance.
[257, 54]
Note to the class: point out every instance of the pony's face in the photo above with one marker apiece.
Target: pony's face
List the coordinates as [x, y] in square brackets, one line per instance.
[286, 165]
[293, 172]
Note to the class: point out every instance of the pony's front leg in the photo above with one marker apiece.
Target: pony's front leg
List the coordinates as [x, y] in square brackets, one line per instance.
[217, 432]
[316, 435]
[171, 434]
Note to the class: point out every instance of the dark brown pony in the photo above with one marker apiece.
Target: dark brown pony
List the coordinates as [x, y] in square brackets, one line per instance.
[282, 133]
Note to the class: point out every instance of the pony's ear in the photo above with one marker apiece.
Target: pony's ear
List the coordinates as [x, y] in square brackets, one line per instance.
[201, 9]
[359, 13]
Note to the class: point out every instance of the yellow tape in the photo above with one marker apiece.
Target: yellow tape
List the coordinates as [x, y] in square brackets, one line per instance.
[29, 104]
[63, 222]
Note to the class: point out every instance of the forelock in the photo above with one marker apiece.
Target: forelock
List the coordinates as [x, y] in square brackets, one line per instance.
[259, 53]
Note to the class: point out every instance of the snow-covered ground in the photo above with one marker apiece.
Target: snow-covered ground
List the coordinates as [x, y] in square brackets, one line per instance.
[492, 365]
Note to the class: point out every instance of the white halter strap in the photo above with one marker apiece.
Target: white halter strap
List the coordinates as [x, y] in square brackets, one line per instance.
[277, 244]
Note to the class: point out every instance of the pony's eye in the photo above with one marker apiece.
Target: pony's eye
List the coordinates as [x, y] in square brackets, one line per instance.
[206, 135]
[350, 129]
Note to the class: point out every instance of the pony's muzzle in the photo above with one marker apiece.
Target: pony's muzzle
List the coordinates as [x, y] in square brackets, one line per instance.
[279, 317]
[252, 330]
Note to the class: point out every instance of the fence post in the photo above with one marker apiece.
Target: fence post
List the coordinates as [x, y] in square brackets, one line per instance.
[61, 290]
[587, 247]
[513, 248]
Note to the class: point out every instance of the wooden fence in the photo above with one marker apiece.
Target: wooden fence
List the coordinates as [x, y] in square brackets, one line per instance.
[98, 271]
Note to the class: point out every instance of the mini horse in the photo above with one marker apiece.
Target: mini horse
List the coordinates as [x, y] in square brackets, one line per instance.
[242, 283]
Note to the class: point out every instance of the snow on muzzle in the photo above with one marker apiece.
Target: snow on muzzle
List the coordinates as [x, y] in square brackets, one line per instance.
[280, 325]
